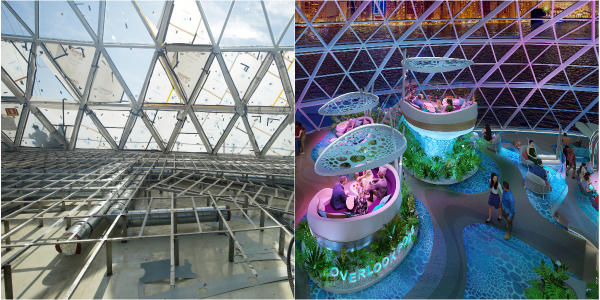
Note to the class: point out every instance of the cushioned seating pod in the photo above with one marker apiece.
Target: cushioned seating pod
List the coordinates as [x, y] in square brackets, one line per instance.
[356, 227]
[537, 184]
[343, 127]
[495, 144]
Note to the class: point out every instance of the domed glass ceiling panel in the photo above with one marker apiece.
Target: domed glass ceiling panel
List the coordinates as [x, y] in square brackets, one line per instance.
[521, 46]
[116, 62]
[10, 122]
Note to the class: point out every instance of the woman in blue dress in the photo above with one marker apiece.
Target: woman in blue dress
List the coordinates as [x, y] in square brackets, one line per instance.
[494, 199]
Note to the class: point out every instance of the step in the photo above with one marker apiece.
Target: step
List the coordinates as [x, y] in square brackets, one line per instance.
[546, 156]
[551, 162]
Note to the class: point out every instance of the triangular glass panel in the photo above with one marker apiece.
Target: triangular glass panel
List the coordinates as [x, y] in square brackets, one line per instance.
[526, 7]
[580, 13]
[284, 144]
[89, 137]
[10, 24]
[346, 58]
[6, 92]
[131, 62]
[243, 67]
[346, 86]
[308, 37]
[329, 66]
[264, 126]
[216, 14]
[90, 9]
[577, 73]
[480, 70]
[11, 114]
[536, 101]
[470, 50]
[439, 51]
[188, 67]
[508, 12]
[314, 92]
[448, 31]
[362, 78]
[567, 102]
[564, 118]
[123, 25]
[495, 26]
[416, 34]
[189, 142]
[382, 34]
[455, 7]
[160, 89]
[214, 125]
[270, 90]
[552, 95]
[518, 57]
[114, 121]
[288, 38]
[490, 94]
[36, 135]
[586, 98]
[583, 32]
[503, 114]
[300, 70]
[362, 62]
[330, 83]
[327, 32]
[398, 29]
[439, 12]
[381, 84]
[533, 115]
[186, 25]
[592, 117]
[15, 63]
[47, 84]
[58, 21]
[75, 61]
[550, 56]
[62, 120]
[558, 78]
[240, 32]
[489, 118]
[567, 52]
[378, 54]
[501, 50]
[533, 51]
[511, 31]
[547, 33]
[237, 142]
[510, 71]
[348, 37]
[505, 99]
[473, 11]
[519, 121]
[525, 76]
[26, 11]
[548, 122]
[215, 90]
[300, 85]
[164, 123]
[591, 80]
[106, 87]
[464, 76]
[587, 59]
[480, 32]
[364, 32]
[541, 71]
[152, 11]
[495, 77]
[432, 27]
[308, 61]
[140, 136]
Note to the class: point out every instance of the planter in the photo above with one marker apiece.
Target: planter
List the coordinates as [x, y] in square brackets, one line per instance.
[443, 181]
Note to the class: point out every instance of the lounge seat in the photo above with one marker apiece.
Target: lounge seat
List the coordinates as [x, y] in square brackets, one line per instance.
[537, 184]
[344, 127]
[495, 144]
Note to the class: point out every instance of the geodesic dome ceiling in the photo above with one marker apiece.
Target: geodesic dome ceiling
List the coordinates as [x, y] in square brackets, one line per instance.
[189, 76]
[535, 62]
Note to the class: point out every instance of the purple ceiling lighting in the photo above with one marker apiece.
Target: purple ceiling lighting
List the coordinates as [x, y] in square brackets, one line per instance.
[542, 73]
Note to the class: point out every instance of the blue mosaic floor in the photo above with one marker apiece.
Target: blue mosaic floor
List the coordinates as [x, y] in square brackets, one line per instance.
[496, 268]
[586, 207]
[559, 189]
[405, 276]
[314, 154]
[480, 181]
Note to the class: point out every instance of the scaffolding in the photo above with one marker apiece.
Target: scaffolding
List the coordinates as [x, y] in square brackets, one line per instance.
[63, 189]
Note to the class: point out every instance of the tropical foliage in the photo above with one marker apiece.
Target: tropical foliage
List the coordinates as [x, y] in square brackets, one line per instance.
[464, 158]
[592, 289]
[551, 284]
[318, 261]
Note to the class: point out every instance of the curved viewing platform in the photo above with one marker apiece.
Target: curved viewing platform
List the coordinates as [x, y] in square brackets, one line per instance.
[435, 64]
[349, 103]
[442, 126]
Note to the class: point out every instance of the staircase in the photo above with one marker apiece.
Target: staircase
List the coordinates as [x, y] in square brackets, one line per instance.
[549, 159]
[396, 114]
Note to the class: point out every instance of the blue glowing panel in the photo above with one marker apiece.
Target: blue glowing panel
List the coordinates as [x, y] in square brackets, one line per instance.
[433, 147]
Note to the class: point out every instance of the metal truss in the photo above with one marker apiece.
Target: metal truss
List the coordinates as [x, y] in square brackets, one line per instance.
[53, 188]
[455, 44]
[137, 106]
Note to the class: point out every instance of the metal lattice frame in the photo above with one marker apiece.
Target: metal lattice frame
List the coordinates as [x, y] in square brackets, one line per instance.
[324, 49]
[137, 107]
[68, 182]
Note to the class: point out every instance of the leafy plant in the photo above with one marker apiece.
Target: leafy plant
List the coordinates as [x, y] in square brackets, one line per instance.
[551, 285]
[592, 289]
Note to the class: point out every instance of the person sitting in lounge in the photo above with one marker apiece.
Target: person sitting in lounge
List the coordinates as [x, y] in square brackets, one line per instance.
[418, 101]
[517, 144]
[409, 96]
[581, 172]
[487, 133]
[449, 106]
[462, 100]
[532, 153]
[586, 183]
[365, 179]
[378, 188]
[439, 107]
[339, 195]
[540, 171]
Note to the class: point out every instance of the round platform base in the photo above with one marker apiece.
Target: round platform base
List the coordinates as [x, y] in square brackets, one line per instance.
[443, 181]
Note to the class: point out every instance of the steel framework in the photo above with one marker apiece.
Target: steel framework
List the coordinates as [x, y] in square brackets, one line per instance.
[138, 106]
[319, 51]
[52, 188]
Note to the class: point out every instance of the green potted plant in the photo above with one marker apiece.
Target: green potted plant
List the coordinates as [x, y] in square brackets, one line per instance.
[550, 283]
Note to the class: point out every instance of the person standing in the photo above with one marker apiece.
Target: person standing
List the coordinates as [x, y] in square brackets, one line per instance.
[298, 138]
[571, 161]
[508, 208]
[494, 199]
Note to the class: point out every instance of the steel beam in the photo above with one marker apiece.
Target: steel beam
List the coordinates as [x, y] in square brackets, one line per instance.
[285, 80]
[19, 18]
[141, 15]
[288, 120]
[86, 92]
[593, 105]
[7, 141]
[83, 21]
[165, 18]
[278, 110]
[260, 74]
[102, 130]
[21, 126]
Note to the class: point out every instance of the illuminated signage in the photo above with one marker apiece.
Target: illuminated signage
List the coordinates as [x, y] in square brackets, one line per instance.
[378, 7]
[353, 277]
